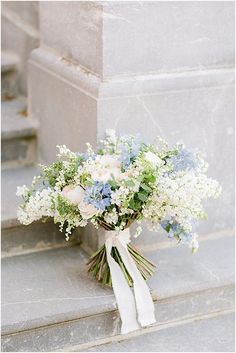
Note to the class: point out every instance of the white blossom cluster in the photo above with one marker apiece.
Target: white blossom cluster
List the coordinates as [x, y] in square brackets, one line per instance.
[124, 181]
[37, 206]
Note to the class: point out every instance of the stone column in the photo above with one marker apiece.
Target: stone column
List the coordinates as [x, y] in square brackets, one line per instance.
[157, 68]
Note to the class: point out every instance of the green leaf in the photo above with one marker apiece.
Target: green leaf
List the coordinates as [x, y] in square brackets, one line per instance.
[132, 204]
[113, 183]
[129, 183]
[143, 197]
[135, 204]
[145, 187]
[151, 178]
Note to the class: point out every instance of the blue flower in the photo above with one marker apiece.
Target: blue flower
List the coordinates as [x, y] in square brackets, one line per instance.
[174, 229]
[98, 195]
[129, 147]
[169, 227]
[185, 238]
[185, 160]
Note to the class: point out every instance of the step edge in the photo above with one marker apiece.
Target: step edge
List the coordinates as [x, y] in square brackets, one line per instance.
[26, 132]
[150, 329]
[13, 64]
[8, 330]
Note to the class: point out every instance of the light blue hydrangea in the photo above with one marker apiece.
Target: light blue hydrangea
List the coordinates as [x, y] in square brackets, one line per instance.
[98, 195]
[185, 160]
[174, 229]
[129, 147]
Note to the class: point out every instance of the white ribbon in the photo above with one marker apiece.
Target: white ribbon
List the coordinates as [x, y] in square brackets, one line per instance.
[126, 301]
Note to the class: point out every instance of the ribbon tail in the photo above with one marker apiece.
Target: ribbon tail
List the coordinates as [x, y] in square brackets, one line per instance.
[144, 302]
[124, 296]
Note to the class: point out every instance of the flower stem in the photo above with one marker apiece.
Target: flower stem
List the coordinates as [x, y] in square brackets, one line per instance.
[99, 268]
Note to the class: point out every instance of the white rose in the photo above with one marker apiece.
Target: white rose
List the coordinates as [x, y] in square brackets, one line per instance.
[105, 167]
[86, 210]
[74, 194]
[153, 159]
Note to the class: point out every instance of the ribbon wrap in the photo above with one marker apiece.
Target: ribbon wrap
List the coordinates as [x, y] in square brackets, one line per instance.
[130, 305]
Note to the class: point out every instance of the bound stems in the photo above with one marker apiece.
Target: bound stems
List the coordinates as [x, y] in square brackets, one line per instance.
[99, 268]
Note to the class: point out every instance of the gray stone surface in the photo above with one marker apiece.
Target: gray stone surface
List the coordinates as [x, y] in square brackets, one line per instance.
[123, 38]
[141, 37]
[18, 134]
[209, 335]
[19, 33]
[53, 287]
[9, 74]
[27, 11]
[9, 61]
[72, 110]
[15, 120]
[17, 238]
[74, 22]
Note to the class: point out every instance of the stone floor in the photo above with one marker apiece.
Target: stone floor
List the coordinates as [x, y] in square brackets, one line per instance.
[209, 335]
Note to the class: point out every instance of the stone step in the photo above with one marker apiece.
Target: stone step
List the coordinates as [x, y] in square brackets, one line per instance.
[204, 334]
[17, 238]
[18, 134]
[49, 303]
[9, 74]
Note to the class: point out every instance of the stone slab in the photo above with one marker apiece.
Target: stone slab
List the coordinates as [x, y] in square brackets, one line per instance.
[9, 61]
[141, 37]
[80, 334]
[76, 112]
[10, 64]
[206, 335]
[125, 38]
[52, 288]
[19, 35]
[75, 31]
[15, 120]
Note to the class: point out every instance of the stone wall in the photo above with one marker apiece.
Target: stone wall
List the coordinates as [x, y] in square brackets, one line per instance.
[156, 68]
[20, 33]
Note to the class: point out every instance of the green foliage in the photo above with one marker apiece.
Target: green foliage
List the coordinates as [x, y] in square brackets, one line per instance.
[64, 207]
[68, 169]
[51, 172]
[113, 184]
[129, 183]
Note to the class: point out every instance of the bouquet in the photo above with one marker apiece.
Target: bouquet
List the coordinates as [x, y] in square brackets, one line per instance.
[124, 181]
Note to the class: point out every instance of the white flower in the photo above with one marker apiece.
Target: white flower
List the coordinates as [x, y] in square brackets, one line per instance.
[86, 210]
[21, 190]
[104, 167]
[153, 159]
[74, 194]
[111, 217]
[137, 232]
[38, 206]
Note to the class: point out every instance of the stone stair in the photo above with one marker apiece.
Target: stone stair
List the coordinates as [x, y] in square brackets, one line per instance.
[189, 336]
[49, 303]
[18, 134]
[9, 74]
